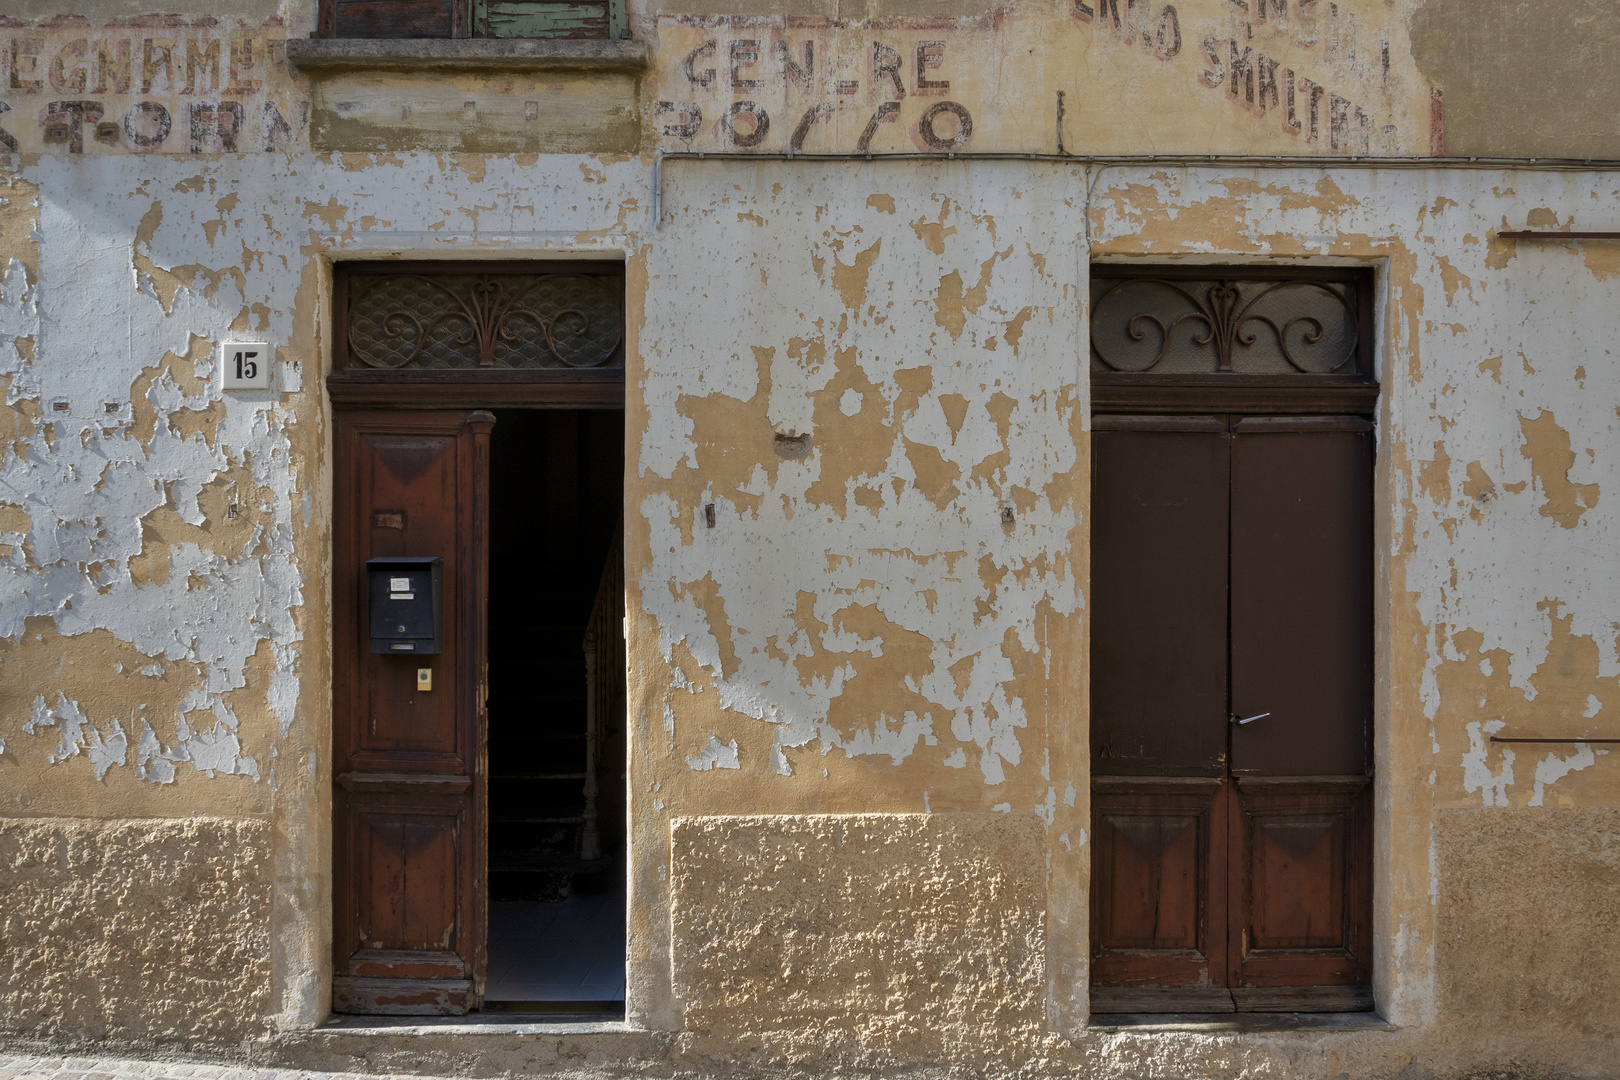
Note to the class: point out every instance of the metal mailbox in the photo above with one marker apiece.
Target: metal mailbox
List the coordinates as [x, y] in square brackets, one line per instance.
[407, 599]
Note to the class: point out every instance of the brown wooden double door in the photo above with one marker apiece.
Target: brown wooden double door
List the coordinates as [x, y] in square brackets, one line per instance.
[409, 837]
[1231, 712]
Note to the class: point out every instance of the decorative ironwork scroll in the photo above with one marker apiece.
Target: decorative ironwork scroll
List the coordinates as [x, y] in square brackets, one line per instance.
[1180, 326]
[487, 320]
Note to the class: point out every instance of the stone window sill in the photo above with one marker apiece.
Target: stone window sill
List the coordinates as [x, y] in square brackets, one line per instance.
[321, 55]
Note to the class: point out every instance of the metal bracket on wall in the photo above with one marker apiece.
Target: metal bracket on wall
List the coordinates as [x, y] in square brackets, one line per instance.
[1538, 234]
[1566, 739]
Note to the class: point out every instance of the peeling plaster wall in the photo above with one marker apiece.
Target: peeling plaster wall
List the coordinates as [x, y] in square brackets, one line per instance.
[863, 274]
[861, 630]
[858, 701]
[165, 555]
[860, 367]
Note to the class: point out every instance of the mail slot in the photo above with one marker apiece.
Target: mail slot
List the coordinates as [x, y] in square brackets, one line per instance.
[406, 605]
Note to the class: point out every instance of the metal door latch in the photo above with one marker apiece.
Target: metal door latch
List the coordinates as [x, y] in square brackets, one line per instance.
[1240, 721]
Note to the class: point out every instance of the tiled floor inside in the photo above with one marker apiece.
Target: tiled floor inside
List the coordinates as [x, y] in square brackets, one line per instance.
[557, 950]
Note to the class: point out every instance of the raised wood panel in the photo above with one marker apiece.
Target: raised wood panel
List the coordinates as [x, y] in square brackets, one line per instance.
[1158, 846]
[1153, 873]
[1304, 910]
[1296, 881]
[408, 863]
[410, 485]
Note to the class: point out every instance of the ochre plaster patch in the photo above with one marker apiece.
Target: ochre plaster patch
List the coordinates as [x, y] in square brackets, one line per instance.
[1547, 446]
[1565, 700]
[18, 236]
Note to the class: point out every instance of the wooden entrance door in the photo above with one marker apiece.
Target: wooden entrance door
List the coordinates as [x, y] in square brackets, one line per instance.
[408, 852]
[1231, 713]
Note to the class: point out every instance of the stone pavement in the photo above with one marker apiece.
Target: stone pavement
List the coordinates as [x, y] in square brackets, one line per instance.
[15, 1067]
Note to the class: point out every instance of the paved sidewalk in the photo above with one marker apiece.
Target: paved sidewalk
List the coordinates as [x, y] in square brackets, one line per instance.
[16, 1067]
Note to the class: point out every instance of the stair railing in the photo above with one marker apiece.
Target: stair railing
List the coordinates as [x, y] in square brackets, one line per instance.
[604, 675]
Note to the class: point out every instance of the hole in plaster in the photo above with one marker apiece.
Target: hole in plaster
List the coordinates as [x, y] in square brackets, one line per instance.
[792, 447]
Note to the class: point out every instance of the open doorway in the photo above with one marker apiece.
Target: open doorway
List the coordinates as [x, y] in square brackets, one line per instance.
[478, 659]
[556, 735]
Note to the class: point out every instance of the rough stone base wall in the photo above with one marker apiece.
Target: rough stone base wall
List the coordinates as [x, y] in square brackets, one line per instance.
[922, 937]
[134, 932]
[1528, 954]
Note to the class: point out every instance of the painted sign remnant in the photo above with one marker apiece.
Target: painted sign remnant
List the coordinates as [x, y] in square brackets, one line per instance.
[1282, 76]
[875, 83]
[197, 92]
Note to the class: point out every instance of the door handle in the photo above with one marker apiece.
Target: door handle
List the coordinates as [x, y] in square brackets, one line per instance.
[1241, 720]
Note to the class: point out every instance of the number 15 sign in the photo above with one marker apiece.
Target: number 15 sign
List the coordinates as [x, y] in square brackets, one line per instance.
[245, 365]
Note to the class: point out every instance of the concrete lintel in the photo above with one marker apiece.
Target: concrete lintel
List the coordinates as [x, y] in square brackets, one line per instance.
[416, 54]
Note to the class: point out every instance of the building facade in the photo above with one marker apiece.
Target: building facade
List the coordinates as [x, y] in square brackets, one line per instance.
[774, 342]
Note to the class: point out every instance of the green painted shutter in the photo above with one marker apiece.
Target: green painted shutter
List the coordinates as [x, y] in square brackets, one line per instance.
[549, 18]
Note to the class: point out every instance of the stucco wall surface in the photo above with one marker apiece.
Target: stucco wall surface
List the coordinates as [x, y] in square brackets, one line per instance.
[1503, 954]
[1306, 77]
[787, 928]
[861, 366]
[1496, 424]
[885, 615]
[163, 561]
[135, 931]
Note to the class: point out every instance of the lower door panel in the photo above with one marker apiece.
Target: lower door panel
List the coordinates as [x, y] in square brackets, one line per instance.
[1303, 907]
[1158, 896]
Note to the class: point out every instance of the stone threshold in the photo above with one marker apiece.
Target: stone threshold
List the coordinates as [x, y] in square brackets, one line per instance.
[481, 54]
[1220, 1023]
[478, 1024]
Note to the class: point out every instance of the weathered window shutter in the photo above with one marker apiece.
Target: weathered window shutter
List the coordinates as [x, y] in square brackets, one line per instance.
[475, 18]
[389, 18]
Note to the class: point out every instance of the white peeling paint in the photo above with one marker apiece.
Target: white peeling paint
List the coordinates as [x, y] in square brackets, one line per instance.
[902, 558]
[1477, 774]
[716, 755]
[77, 734]
[1554, 768]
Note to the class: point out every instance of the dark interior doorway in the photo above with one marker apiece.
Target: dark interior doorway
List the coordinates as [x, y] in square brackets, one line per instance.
[556, 711]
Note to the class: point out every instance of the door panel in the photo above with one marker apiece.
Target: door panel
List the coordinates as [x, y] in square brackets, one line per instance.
[1302, 595]
[1296, 881]
[1158, 599]
[1159, 856]
[408, 928]
[1231, 862]
[1303, 848]
[407, 878]
[409, 482]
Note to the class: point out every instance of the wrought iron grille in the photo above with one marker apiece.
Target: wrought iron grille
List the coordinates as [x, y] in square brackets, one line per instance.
[1183, 325]
[484, 320]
